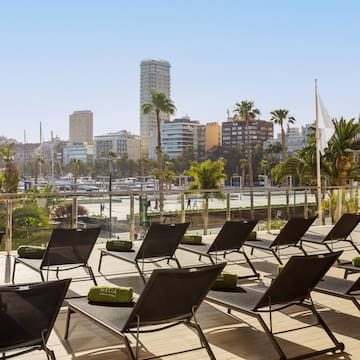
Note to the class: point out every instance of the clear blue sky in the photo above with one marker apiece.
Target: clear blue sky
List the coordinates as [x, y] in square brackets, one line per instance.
[61, 56]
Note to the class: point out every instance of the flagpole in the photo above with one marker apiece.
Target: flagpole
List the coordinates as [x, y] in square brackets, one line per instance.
[317, 136]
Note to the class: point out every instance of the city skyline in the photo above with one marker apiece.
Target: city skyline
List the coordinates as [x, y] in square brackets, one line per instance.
[65, 57]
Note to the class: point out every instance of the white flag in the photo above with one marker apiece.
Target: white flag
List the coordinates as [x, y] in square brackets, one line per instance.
[326, 127]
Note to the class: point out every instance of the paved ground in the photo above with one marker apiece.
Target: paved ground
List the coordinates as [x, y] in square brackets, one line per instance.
[228, 338]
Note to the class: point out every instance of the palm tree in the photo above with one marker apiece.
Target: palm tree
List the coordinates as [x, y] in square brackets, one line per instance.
[159, 103]
[11, 175]
[344, 139]
[245, 111]
[207, 175]
[281, 117]
[76, 164]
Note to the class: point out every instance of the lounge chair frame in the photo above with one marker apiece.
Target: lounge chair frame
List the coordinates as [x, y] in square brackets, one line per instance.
[230, 239]
[182, 291]
[67, 249]
[342, 288]
[22, 329]
[289, 288]
[341, 231]
[159, 244]
[289, 236]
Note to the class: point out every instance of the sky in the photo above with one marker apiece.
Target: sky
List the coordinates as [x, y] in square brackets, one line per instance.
[61, 56]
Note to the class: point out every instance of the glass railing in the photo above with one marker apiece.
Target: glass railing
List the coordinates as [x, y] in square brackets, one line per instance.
[29, 218]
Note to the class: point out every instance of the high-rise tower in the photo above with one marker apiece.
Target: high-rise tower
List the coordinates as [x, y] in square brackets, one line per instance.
[154, 77]
[81, 127]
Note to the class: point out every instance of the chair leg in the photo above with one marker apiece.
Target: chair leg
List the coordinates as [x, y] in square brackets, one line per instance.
[100, 260]
[177, 262]
[67, 324]
[354, 246]
[276, 256]
[128, 347]
[250, 264]
[50, 355]
[13, 273]
[356, 303]
[322, 323]
[91, 273]
[203, 340]
[271, 337]
[140, 272]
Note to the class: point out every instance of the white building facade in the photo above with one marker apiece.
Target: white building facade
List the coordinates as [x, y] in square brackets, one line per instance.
[121, 142]
[154, 77]
[179, 134]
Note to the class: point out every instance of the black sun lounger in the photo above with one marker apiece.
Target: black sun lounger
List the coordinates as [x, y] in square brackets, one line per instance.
[349, 268]
[341, 231]
[230, 239]
[342, 288]
[159, 244]
[289, 236]
[27, 316]
[67, 249]
[291, 287]
[170, 297]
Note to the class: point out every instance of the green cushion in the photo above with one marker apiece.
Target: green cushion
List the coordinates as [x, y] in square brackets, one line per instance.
[119, 245]
[31, 251]
[191, 239]
[252, 236]
[225, 281]
[110, 294]
[280, 267]
[356, 261]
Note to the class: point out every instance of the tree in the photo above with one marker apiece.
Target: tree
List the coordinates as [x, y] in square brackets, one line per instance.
[76, 164]
[11, 176]
[344, 139]
[159, 103]
[207, 175]
[245, 111]
[281, 117]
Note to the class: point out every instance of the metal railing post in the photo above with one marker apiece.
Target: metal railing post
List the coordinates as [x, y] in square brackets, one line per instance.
[74, 213]
[306, 210]
[182, 207]
[268, 225]
[132, 217]
[9, 226]
[228, 208]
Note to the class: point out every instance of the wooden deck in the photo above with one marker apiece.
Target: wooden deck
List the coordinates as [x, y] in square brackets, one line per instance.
[228, 338]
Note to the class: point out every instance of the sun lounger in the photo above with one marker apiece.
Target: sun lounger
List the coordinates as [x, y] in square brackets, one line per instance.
[159, 244]
[170, 297]
[341, 231]
[230, 239]
[289, 236]
[67, 249]
[349, 268]
[291, 287]
[343, 288]
[27, 316]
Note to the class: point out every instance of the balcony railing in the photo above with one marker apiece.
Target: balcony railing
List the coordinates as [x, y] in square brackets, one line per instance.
[28, 218]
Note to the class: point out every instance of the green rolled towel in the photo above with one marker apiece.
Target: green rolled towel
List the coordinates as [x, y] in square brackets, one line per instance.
[280, 267]
[252, 236]
[110, 294]
[31, 251]
[356, 261]
[191, 239]
[119, 245]
[225, 281]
